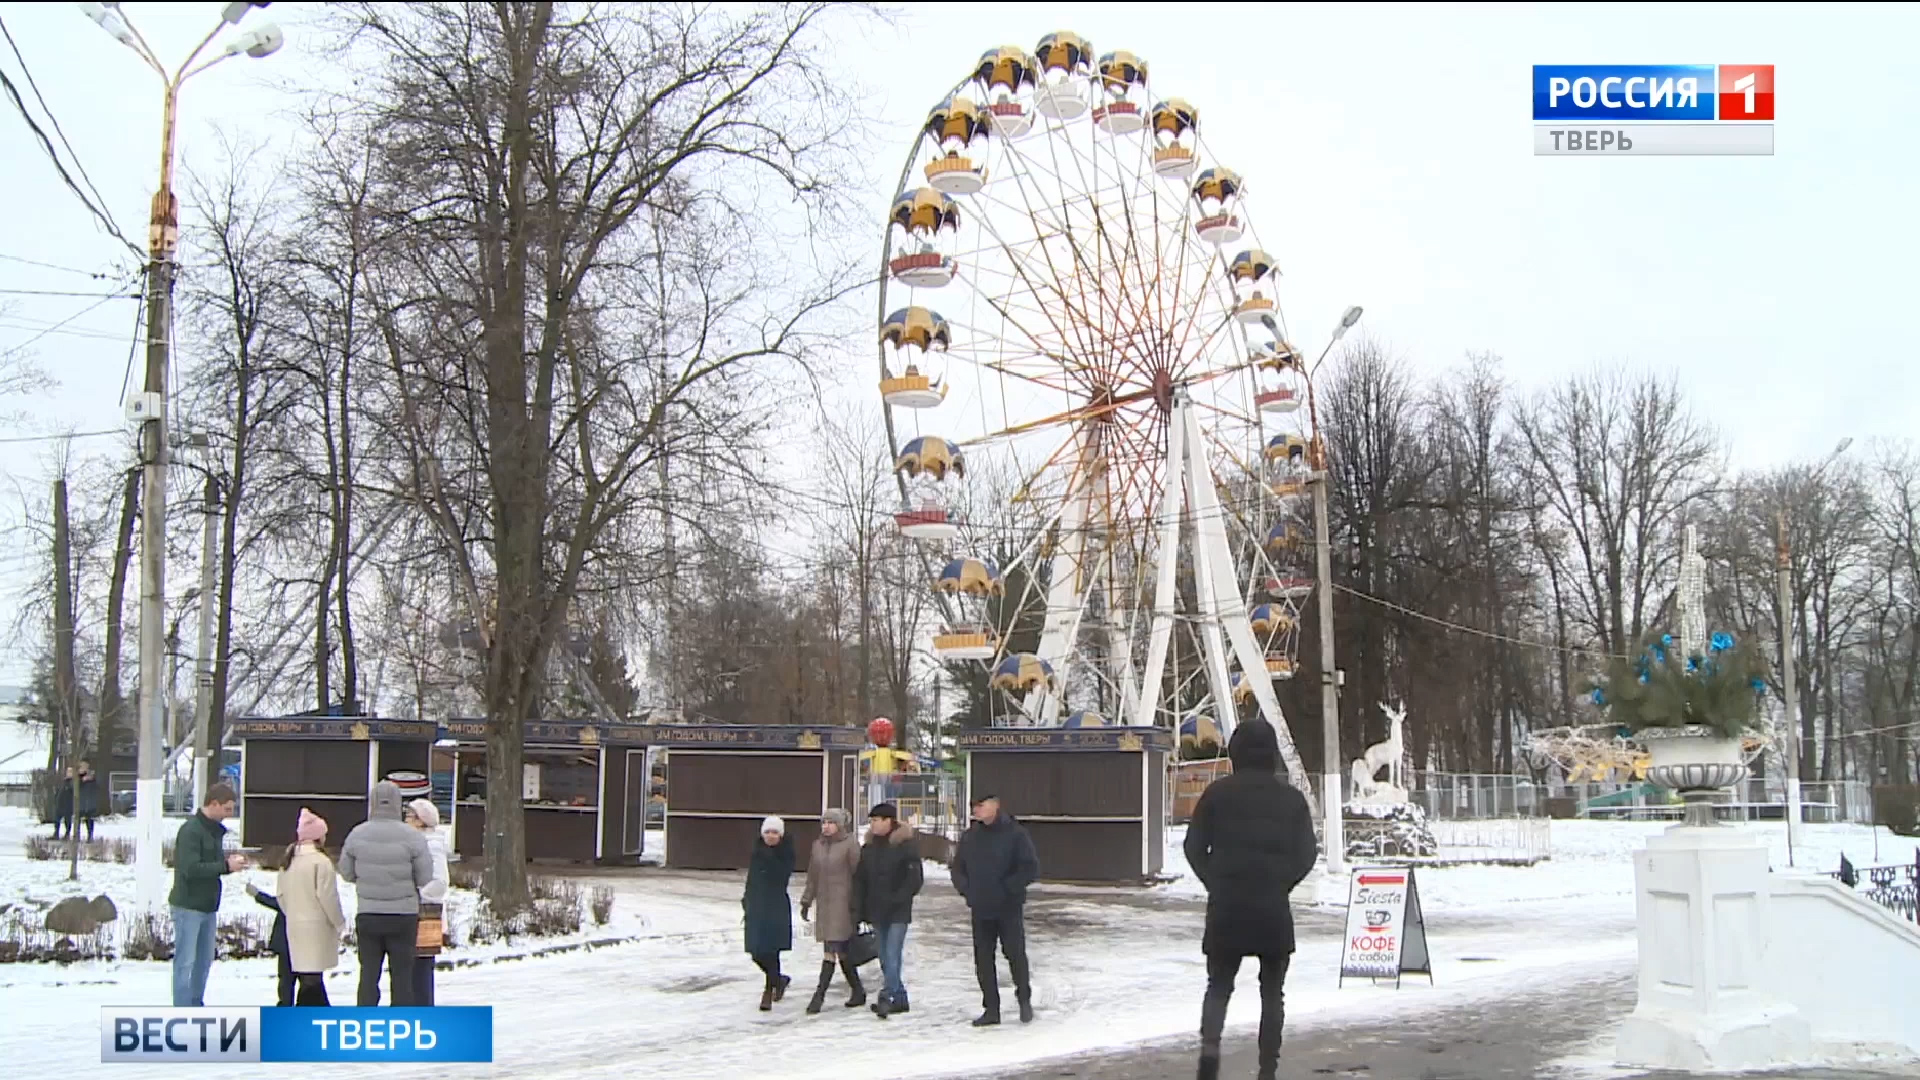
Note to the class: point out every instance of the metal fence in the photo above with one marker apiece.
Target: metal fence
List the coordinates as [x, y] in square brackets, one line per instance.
[1754, 799]
[1469, 796]
[1498, 840]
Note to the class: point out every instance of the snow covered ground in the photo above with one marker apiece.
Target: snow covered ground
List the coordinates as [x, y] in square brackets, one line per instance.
[1112, 967]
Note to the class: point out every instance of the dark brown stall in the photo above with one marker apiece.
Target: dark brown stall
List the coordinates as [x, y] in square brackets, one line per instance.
[583, 788]
[326, 763]
[723, 780]
[1092, 798]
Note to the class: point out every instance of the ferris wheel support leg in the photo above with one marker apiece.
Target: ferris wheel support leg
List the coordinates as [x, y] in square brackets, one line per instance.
[1066, 599]
[1161, 633]
[1212, 569]
[1213, 561]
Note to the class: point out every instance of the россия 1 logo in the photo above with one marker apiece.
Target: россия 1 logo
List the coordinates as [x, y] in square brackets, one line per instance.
[1653, 109]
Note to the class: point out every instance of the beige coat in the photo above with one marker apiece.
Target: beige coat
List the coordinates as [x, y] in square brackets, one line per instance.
[309, 894]
[830, 870]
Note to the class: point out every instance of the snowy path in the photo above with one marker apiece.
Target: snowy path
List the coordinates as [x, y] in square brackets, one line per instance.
[1113, 968]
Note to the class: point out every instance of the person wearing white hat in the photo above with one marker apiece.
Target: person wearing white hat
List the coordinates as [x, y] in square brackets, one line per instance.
[768, 908]
[424, 816]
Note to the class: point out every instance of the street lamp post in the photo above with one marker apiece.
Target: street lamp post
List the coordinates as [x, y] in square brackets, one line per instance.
[1332, 803]
[148, 409]
[1788, 690]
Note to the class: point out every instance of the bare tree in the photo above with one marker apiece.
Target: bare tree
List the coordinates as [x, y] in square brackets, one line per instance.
[1617, 463]
[522, 150]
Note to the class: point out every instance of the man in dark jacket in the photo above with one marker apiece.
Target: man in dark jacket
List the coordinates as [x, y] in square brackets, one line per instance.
[89, 808]
[387, 862]
[1250, 842]
[199, 862]
[884, 884]
[992, 868]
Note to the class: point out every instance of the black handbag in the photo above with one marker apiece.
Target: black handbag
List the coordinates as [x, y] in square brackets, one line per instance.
[863, 949]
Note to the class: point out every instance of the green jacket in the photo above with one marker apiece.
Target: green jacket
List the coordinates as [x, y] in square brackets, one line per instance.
[198, 863]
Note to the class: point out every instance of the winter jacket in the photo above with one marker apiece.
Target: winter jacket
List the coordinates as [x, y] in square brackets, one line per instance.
[993, 866]
[435, 891]
[199, 860]
[89, 795]
[769, 911]
[277, 937]
[888, 878]
[310, 899]
[830, 871]
[1250, 842]
[386, 860]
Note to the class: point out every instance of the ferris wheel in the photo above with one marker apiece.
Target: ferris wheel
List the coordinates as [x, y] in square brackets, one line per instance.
[1071, 285]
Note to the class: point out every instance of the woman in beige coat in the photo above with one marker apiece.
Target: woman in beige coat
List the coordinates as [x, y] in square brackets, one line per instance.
[830, 868]
[310, 899]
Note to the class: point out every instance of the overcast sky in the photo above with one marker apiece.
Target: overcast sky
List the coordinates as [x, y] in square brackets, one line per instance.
[1387, 150]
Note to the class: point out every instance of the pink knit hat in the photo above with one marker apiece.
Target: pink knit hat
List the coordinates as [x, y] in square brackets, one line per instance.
[312, 828]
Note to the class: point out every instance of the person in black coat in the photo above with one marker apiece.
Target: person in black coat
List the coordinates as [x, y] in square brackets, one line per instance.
[992, 868]
[277, 942]
[769, 912]
[884, 884]
[1250, 842]
[63, 805]
[89, 808]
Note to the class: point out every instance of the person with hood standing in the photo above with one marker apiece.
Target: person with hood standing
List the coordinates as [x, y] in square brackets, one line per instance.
[830, 871]
[769, 913]
[387, 864]
[425, 817]
[992, 868]
[89, 808]
[1250, 842]
[310, 900]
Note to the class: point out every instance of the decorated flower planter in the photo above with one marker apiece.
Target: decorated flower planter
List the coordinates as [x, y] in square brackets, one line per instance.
[1695, 762]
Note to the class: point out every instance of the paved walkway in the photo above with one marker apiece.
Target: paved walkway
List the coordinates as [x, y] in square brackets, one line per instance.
[1533, 1038]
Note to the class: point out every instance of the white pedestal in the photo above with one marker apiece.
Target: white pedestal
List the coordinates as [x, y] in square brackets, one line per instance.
[1701, 895]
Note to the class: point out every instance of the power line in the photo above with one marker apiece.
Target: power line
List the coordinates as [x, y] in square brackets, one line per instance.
[64, 435]
[46, 144]
[97, 275]
[48, 109]
[1490, 635]
[61, 326]
[68, 292]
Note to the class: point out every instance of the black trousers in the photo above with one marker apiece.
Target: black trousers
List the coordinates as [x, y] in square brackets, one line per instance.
[1221, 971]
[284, 998]
[312, 989]
[769, 963]
[423, 980]
[1008, 930]
[388, 938]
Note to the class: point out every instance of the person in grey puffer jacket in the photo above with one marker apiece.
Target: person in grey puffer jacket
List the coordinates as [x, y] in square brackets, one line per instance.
[387, 862]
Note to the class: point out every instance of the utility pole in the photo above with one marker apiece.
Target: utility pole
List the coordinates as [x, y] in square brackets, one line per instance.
[64, 686]
[1334, 834]
[203, 655]
[1788, 691]
[149, 409]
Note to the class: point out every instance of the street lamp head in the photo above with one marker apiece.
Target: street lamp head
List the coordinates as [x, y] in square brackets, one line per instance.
[1267, 321]
[264, 41]
[231, 14]
[1351, 316]
[1842, 448]
[109, 19]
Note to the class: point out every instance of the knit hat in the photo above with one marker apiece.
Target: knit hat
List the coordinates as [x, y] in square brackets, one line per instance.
[884, 810]
[428, 813]
[312, 827]
[774, 825]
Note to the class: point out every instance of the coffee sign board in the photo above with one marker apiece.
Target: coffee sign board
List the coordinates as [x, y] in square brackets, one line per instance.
[1386, 934]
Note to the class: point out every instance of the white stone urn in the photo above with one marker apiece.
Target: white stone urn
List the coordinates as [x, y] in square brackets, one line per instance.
[1696, 762]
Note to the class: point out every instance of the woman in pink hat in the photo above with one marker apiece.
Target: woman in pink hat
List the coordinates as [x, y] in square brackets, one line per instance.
[310, 899]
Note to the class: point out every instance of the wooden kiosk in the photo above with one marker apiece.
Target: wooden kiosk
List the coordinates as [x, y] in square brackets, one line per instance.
[1093, 799]
[722, 780]
[584, 786]
[328, 764]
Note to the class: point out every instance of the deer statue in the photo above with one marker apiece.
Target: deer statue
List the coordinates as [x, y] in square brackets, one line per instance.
[1382, 755]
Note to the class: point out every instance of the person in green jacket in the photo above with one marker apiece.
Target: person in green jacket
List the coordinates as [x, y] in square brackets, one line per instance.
[199, 862]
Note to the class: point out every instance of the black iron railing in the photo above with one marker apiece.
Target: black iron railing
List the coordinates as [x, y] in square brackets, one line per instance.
[1896, 888]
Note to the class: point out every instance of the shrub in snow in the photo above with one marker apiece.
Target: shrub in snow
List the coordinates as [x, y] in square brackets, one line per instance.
[1388, 832]
[554, 912]
[601, 903]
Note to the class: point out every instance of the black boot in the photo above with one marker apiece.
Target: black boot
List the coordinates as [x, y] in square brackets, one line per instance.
[1209, 1064]
[883, 1006]
[780, 988]
[1026, 1011]
[1269, 1072]
[820, 992]
[766, 999]
[989, 1018]
[852, 973]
